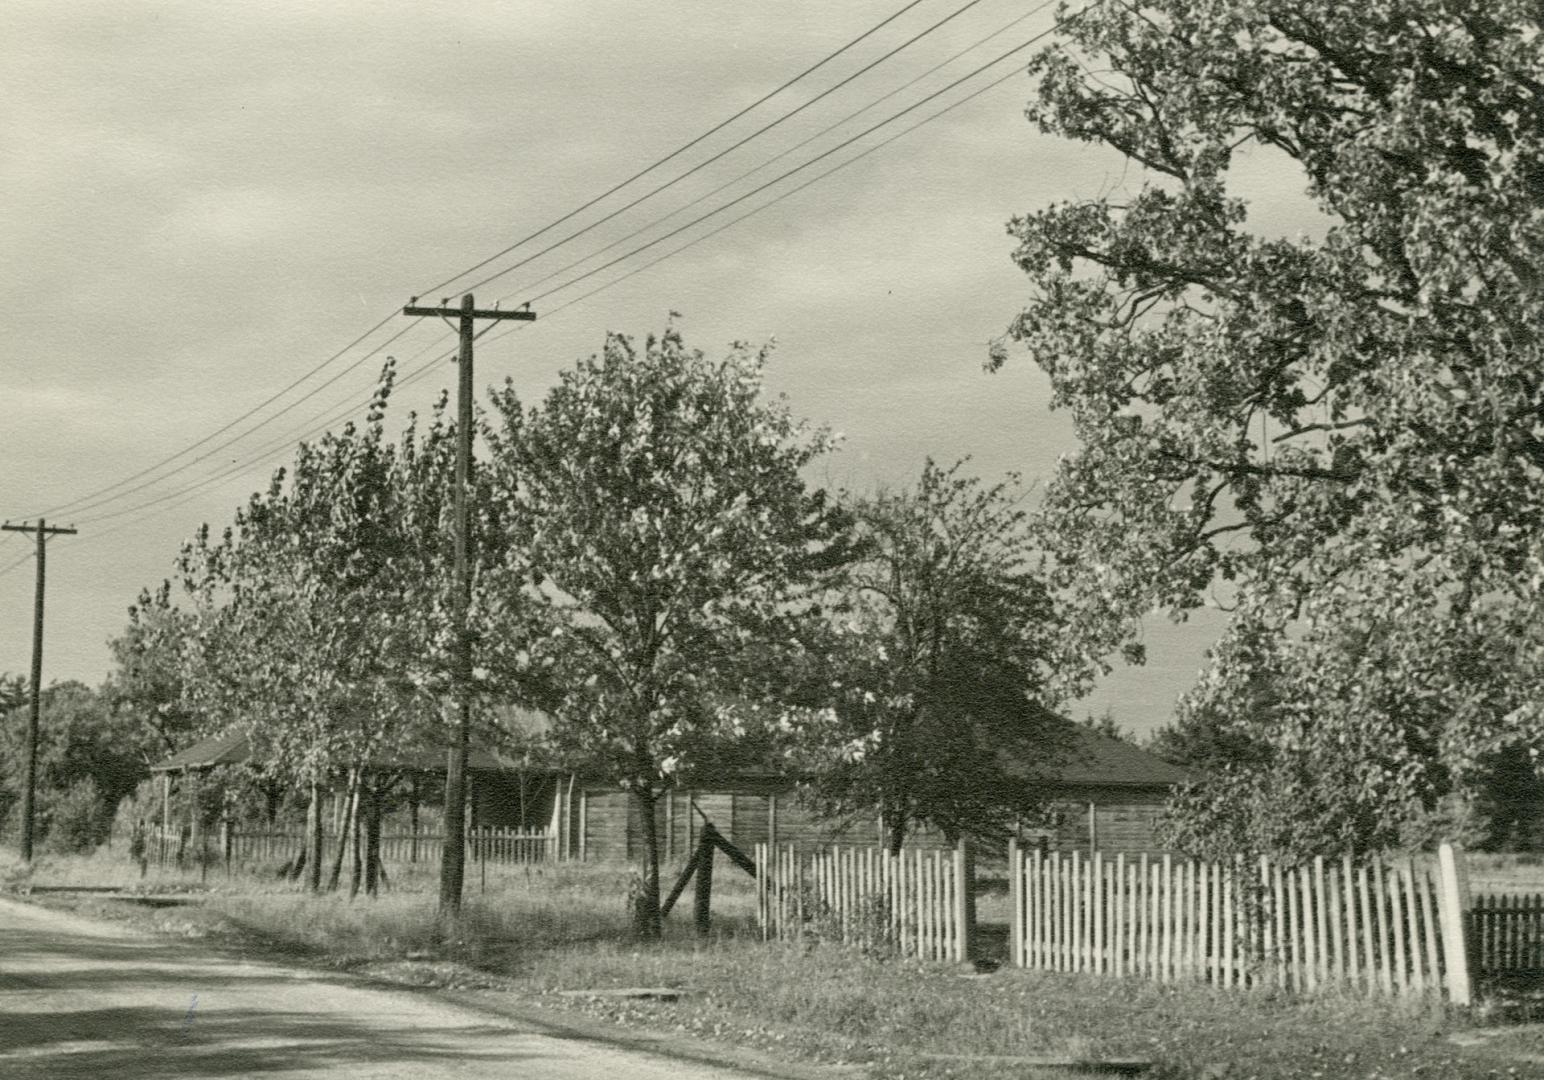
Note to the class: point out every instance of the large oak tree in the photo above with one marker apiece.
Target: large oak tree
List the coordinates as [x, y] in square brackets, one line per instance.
[1340, 438]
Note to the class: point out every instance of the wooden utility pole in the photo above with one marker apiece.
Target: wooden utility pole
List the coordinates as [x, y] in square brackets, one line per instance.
[40, 534]
[453, 853]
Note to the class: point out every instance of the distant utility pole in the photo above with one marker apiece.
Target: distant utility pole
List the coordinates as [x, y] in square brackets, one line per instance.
[40, 534]
[453, 857]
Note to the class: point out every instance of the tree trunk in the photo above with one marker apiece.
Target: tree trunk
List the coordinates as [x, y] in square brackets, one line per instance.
[412, 811]
[343, 831]
[314, 826]
[373, 841]
[897, 830]
[356, 867]
[702, 899]
[646, 919]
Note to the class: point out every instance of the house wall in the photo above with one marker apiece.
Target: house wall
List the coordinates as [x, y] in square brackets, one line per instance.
[510, 801]
[1123, 820]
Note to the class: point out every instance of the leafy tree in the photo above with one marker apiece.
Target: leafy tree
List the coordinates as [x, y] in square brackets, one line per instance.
[87, 760]
[1106, 724]
[935, 666]
[659, 500]
[324, 614]
[13, 693]
[147, 684]
[1340, 440]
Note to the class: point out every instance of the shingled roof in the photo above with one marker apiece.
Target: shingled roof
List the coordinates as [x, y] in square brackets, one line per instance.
[1090, 759]
[1097, 759]
[233, 749]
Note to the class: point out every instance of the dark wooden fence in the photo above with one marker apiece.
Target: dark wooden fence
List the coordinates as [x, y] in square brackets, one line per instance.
[1507, 934]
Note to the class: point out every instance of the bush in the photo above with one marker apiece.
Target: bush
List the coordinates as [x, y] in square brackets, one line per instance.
[73, 821]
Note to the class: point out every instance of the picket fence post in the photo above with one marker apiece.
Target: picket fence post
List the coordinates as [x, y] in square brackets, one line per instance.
[1016, 900]
[1453, 909]
[964, 899]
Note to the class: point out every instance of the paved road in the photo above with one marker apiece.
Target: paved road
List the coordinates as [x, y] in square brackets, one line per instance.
[80, 998]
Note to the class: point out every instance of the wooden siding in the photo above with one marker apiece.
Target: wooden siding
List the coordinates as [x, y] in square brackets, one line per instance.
[1124, 821]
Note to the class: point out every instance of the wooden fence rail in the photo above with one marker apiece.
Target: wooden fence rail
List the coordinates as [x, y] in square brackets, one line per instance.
[917, 902]
[1394, 928]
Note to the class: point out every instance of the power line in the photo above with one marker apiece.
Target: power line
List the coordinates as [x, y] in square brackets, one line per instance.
[673, 154]
[86, 501]
[796, 169]
[340, 410]
[792, 191]
[219, 431]
[784, 153]
[723, 153]
[428, 366]
[255, 427]
[12, 566]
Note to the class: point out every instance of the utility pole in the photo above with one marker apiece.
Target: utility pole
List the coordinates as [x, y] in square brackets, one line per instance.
[40, 534]
[453, 855]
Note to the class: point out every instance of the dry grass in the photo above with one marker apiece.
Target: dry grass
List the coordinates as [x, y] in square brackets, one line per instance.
[1506, 873]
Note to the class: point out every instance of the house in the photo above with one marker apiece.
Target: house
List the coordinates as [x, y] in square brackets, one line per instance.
[503, 792]
[1105, 793]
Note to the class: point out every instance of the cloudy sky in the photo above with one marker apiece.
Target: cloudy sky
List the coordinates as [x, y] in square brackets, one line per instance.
[206, 203]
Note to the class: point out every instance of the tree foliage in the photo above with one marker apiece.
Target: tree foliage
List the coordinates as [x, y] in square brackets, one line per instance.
[326, 616]
[1339, 439]
[933, 673]
[324, 622]
[659, 500]
[88, 758]
[147, 685]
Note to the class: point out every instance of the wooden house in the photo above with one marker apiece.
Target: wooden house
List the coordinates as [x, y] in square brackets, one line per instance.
[1106, 794]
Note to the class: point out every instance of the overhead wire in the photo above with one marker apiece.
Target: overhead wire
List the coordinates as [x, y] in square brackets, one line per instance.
[783, 176]
[773, 202]
[95, 498]
[410, 377]
[727, 151]
[12, 566]
[677, 152]
[699, 200]
[75, 503]
[255, 427]
[263, 453]
[815, 179]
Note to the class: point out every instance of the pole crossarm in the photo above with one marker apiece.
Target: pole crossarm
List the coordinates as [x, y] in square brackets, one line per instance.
[448, 312]
[34, 530]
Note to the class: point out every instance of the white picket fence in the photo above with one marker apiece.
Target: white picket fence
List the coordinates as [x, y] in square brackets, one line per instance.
[916, 902]
[504, 846]
[1383, 927]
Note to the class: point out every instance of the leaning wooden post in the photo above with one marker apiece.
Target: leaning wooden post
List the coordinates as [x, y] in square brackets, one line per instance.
[964, 899]
[1454, 907]
[702, 896]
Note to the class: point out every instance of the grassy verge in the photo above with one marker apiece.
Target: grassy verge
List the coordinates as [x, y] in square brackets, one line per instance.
[533, 936]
